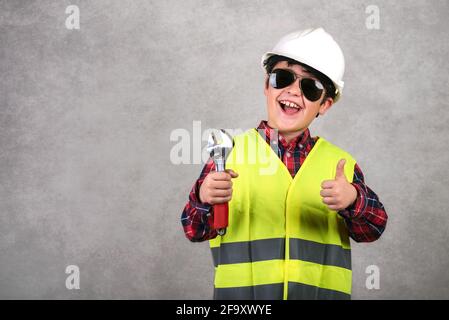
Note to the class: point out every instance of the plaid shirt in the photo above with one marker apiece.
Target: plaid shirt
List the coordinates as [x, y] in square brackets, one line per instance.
[365, 218]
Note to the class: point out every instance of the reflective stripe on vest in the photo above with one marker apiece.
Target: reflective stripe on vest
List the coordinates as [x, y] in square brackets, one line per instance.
[282, 242]
[272, 249]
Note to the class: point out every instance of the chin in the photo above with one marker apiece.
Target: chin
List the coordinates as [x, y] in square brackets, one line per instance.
[289, 130]
[285, 127]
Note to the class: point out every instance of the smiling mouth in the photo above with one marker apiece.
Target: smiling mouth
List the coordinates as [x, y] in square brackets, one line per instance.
[289, 107]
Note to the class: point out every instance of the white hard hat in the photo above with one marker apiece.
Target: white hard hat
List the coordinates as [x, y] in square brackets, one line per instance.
[315, 48]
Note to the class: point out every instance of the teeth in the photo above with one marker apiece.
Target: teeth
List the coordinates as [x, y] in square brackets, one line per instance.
[290, 104]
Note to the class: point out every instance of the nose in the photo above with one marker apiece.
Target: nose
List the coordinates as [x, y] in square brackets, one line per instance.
[294, 88]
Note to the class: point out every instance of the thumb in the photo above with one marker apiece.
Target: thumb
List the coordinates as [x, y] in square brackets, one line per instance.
[340, 173]
[232, 173]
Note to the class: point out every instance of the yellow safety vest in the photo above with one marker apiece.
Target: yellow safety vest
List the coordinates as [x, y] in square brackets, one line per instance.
[282, 241]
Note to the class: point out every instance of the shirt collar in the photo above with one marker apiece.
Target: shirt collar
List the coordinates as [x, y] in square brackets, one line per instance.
[302, 140]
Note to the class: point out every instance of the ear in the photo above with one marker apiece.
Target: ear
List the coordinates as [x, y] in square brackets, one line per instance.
[326, 105]
[265, 89]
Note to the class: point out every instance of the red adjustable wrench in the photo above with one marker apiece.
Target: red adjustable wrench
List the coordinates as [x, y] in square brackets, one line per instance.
[219, 145]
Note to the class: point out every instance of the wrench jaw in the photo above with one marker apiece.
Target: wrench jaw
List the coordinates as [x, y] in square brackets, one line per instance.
[219, 145]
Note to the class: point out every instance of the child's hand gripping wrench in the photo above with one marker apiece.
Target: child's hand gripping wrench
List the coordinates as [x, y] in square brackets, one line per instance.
[219, 145]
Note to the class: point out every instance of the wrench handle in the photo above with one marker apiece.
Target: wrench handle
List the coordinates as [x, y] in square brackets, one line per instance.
[221, 215]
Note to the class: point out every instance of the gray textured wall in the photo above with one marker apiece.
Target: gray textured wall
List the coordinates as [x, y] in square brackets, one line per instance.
[86, 117]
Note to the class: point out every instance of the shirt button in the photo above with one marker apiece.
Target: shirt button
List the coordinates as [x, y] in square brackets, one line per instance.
[301, 146]
[289, 154]
[274, 142]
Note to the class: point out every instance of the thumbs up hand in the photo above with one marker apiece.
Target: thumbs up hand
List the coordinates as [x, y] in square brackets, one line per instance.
[338, 194]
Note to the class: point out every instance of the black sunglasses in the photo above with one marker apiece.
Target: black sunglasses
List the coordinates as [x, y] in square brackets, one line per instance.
[311, 88]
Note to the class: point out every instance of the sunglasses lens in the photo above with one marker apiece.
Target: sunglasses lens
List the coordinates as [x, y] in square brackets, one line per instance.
[312, 89]
[281, 78]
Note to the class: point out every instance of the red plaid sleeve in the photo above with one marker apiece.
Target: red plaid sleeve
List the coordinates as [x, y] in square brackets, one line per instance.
[366, 218]
[197, 217]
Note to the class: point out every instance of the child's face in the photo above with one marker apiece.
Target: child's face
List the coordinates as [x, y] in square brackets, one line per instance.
[288, 120]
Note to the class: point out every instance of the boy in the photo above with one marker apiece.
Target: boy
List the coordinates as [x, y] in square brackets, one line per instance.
[288, 233]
